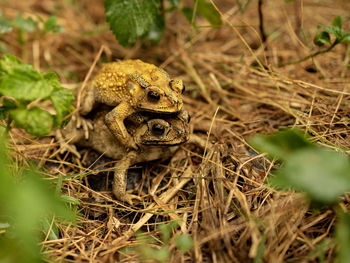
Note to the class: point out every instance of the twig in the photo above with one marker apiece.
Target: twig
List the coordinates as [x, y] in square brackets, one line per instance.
[311, 55]
[261, 21]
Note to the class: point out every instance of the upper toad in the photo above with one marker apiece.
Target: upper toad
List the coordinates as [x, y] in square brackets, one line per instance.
[131, 86]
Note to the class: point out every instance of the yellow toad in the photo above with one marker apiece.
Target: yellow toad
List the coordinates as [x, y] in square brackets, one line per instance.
[131, 86]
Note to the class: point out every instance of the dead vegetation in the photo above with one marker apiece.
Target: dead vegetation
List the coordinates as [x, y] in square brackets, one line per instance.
[219, 193]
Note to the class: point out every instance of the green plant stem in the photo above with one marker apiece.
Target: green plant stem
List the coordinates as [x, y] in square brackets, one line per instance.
[8, 126]
[22, 40]
[5, 134]
[193, 19]
[194, 13]
[311, 55]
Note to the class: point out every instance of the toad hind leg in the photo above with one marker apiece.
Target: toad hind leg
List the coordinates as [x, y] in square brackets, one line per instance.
[120, 179]
[115, 123]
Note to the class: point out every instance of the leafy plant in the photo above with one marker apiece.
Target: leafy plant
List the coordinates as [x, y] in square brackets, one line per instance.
[29, 24]
[37, 103]
[25, 24]
[132, 19]
[24, 93]
[323, 175]
[25, 27]
[162, 254]
[324, 37]
[50, 25]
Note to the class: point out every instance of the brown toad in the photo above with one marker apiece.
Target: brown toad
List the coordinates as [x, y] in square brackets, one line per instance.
[153, 136]
[131, 86]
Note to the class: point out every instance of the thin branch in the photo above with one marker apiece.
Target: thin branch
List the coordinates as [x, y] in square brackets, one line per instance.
[311, 55]
[261, 21]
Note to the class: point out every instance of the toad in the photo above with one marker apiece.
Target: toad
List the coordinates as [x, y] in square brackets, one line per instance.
[154, 137]
[131, 86]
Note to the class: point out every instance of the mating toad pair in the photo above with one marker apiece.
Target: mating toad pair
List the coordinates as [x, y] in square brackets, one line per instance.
[135, 109]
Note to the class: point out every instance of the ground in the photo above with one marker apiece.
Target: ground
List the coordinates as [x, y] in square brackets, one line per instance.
[219, 195]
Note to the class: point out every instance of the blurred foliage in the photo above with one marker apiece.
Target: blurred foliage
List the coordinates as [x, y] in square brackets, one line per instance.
[282, 143]
[5, 24]
[342, 235]
[29, 24]
[149, 248]
[35, 27]
[20, 86]
[25, 24]
[208, 11]
[28, 207]
[132, 19]
[322, 174]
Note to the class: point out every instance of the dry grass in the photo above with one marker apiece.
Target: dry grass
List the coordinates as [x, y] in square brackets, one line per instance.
[218, 193]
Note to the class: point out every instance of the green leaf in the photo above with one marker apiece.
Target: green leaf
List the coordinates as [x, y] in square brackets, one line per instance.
[156, 30]
[62, 101]
[188, 12]
[342, 235]
[161, 255]
[130, 19]
[174, 3]
[337, 22]
[281, 144]
[336, 31]
[166, 230]
[346, 38]
[35, 121]
[208, 11]
[7, 105]
[50, 23]
[51, 26]
[260, 253]
[9, 63]
[5, 25]
[322, 38]
[21, 81]
[46, 226]
[321, 173]
[28, 25]
[69, 199]
[52, 78]
[3, 113]
[184, 242]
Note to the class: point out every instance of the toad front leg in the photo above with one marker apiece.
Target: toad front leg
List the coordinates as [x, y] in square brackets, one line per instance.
[115, 123]
[120, 179]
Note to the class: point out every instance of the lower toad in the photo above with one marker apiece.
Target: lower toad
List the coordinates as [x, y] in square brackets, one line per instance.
[154, 136]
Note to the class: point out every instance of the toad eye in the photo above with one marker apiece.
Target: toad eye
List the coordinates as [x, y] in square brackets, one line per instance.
[153, 96]
[158, 129]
